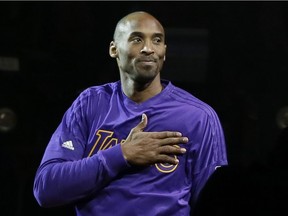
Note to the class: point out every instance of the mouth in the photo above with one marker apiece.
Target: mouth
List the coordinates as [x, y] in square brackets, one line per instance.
[147, 63]
[147, 60]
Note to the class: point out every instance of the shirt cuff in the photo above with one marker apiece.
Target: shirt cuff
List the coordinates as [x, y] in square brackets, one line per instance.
[114, 160]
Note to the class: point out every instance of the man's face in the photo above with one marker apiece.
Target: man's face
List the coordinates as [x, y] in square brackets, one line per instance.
[141, 48]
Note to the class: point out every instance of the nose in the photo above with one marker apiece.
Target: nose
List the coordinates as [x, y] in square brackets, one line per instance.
[147, 48]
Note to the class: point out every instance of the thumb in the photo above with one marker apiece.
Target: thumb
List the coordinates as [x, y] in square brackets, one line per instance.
[140, 127]
[142, 124]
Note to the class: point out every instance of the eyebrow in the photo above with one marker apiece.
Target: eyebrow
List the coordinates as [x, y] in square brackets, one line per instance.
[141, 34]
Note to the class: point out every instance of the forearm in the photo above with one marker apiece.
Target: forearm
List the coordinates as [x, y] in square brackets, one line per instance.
[59, 182]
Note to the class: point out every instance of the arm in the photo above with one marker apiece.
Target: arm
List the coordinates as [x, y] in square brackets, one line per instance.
[60, 182]
[64, 175]
[210, 153]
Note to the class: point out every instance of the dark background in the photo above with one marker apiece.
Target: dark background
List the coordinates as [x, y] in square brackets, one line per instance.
[232, 55]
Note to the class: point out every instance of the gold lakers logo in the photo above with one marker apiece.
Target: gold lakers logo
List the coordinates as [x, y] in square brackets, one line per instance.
[166, 168]
[106, 140]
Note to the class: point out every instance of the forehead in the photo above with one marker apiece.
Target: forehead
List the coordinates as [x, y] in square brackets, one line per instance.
[140, 23]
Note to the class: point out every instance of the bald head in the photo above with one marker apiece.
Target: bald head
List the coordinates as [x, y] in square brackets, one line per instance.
[139, 49]
[133, 20]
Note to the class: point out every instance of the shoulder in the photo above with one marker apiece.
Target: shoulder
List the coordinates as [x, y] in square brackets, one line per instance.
[107, 88]
[99, 91]
[188, 100]
[95, 96]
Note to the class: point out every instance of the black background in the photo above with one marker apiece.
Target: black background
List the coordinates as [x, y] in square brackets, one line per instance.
[62, 48]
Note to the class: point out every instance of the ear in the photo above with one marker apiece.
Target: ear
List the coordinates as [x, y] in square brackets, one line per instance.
[113, 50]
[165, 52]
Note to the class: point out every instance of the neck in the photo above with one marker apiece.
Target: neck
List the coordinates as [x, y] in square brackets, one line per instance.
[139, 92]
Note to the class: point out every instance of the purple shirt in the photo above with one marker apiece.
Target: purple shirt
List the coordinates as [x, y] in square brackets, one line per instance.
[83, 162]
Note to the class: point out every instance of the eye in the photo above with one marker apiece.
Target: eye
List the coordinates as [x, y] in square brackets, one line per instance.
[136, 40]
[157, 40]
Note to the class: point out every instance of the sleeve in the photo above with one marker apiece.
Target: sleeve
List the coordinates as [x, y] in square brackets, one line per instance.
[209, 152]
[64, 175]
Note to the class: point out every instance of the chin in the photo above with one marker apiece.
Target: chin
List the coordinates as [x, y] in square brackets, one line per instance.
[145, 77]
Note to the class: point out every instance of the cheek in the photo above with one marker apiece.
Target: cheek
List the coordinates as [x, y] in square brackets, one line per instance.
[122, 56]
[125, 61]
[161, 54]
[126, 54]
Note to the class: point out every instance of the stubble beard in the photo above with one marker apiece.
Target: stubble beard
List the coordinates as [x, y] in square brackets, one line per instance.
[145, 74]
[144, 77]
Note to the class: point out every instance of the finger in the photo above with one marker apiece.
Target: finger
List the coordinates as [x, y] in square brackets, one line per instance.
[141, 126]
[167, 159]
[165, 134]
[172, 141]
[172, 150]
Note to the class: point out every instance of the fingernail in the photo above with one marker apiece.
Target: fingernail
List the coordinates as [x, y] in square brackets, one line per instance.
[183, 150]
[185, 139]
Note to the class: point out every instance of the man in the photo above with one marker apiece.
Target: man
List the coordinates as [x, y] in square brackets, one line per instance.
[138, 146]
